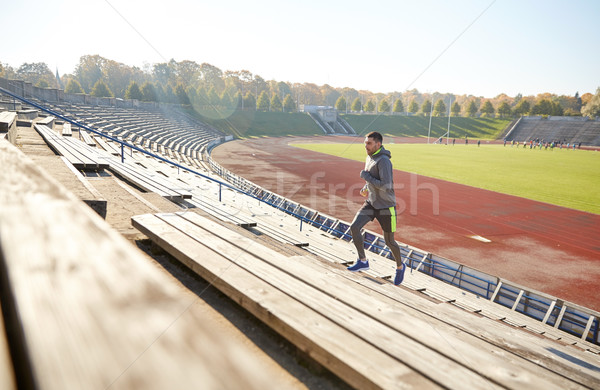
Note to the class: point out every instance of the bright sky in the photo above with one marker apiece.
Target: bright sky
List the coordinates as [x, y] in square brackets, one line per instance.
[477, 47]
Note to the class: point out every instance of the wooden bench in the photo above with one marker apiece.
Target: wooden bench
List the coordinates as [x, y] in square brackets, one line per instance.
[47, 121]
[87, 139]
[8, 125]
[149, 181]
[72, 149]
[66, 130]
[85, 309]
[8, 121]
[222, 213]
[371, 337]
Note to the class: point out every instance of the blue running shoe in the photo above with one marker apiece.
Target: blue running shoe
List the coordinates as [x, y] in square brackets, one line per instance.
[359, 266]
[399, 275]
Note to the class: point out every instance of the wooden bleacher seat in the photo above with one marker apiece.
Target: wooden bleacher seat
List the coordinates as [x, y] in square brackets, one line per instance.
[47, 121]
[66, 130]
[370, 334]
[87, 139]
[72, 149]
[85, 309]
[7, 121]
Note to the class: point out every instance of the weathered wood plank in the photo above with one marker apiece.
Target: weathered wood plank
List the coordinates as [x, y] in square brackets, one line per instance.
[7, 120]
[434, 336]
[87, 139]
[66, 130]
[98, 315]
[355, 360]
[583, 368]
[47, 121]
[71, 149]
[7, 374]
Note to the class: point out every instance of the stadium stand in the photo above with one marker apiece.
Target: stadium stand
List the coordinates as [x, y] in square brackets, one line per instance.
[80, 303]
[353, 326]
[571, 130]
[427, 333]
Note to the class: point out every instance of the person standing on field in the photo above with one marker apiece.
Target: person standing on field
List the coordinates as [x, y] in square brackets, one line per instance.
[380, 204]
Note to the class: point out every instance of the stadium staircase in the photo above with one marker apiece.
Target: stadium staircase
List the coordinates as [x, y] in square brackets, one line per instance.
[429, 332]
[340, 126]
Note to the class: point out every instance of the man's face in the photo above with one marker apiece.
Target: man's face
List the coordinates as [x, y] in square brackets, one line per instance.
[371, 145]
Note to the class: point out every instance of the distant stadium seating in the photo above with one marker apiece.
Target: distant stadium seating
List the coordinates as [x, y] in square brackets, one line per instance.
[169, 127]
[563, 129]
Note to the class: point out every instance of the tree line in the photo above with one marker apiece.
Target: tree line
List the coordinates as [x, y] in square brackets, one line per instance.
[207, 87]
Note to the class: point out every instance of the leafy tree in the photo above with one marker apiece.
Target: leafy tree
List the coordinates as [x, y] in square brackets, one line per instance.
[249, 101]
[7, 71]
[276, 103]
[472, 108]
[356, 105]
[35, 72]
[288, 103]
[73, 86]
[329, 95]
[340, 104]
[426, 107]
[237, 100]
[226, 100]
[440, 108]
[201, 97]
[263, 101]
[384, 106]
[398, 106]
[487, 108]
[522, 108]
[369, 106]
[259, 84]
[578, 101]
[182, 97]
[148, 92]
[89, 71]
[117, 77]
[283, 89]
[542, 107]
[164, 73]
[134, 91]
[413, 107]
[101, 90]
[161, 93]
[191, 94]
[187, 72]
[211, 76]
[169, 95]
[557, 109]
[592, 108]
[213, 98]
[455, 109]
[504, 110]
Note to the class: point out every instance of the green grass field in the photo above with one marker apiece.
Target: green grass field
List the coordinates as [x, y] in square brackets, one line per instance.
[569, 178]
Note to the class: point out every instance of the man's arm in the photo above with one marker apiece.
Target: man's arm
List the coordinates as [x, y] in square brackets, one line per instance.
[385, 172]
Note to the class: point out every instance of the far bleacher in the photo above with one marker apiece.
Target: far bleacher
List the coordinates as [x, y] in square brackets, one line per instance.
[562, 129]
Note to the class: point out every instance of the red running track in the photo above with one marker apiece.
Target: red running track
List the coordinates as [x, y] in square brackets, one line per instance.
[541, 246]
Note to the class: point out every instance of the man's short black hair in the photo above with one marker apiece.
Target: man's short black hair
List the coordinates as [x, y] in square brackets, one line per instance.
[377, 137]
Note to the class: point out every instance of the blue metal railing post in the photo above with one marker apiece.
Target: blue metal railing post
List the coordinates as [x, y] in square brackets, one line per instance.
[220, 191]
[122, 153]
